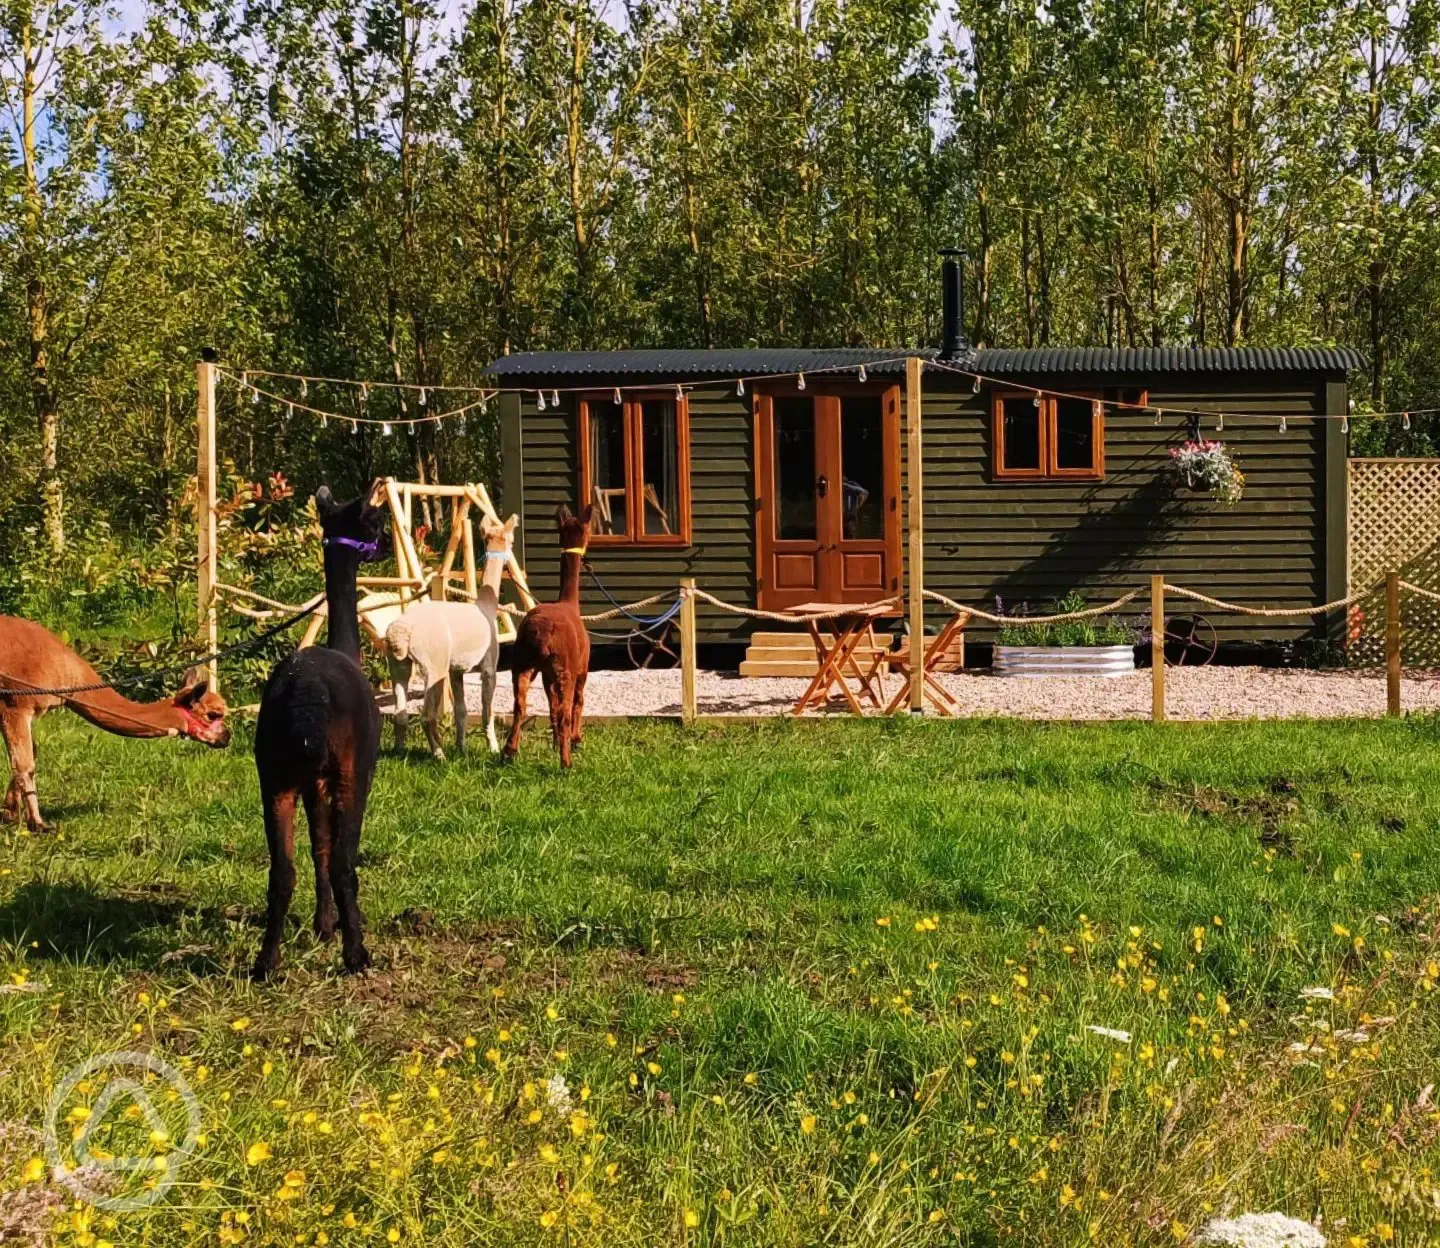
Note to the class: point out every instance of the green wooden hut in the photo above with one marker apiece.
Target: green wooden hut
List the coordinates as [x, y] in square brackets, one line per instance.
[788, 488]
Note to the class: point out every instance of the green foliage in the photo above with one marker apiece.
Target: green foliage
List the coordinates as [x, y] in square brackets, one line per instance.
[404, 192]
[815, 982]
[1094, 631]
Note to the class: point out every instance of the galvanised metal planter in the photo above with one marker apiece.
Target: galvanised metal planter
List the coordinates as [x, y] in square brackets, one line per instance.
[1063, 660]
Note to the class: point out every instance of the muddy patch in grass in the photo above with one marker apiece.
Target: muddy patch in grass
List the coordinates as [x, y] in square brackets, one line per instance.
[1273, 809]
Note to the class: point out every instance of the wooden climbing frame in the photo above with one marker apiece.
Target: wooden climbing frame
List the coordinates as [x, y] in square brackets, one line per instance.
[414, 580]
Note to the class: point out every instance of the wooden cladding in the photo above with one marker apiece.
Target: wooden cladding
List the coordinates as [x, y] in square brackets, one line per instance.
[1047, 437]
[634, 467]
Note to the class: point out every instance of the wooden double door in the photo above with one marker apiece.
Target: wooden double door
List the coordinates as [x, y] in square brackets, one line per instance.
[828, 493]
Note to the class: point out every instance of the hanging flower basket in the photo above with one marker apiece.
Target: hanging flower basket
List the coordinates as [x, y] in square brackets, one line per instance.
[1209, 466]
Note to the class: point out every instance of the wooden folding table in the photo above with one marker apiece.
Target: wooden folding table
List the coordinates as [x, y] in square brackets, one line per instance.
[851, 626]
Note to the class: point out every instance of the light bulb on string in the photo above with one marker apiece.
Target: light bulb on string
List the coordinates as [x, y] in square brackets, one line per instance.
[1097, 410]
[1159, 415]
[289, 412]
[618, 399]
[324, 421]
[975, 389]
[304, 389]
[385, 429]
[1284, 425]
[364, 393]
[679, 394]
[1345, 422]
[740, 385]
[540, 399]
[422, 396]
[800, 381]
[554, 398]
[860, 377]
[1220, 423]
[1035, 399]
[354, 427]
[1405, 421]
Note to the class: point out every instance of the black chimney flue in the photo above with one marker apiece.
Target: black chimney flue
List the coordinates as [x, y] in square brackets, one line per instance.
[952, 340]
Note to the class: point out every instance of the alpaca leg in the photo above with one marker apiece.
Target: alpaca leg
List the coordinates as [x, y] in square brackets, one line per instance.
[577, 712]
[317, 815]
[400, 679]
[430, 716]
[457, 695]
[280, 836]
[521, 678]
[349, 817]
[17, 727]
[487, 700]
[560, 689]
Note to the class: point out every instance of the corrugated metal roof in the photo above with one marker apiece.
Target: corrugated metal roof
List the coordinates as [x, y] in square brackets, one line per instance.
[739, 362]
[999, 362]
[1013, 362]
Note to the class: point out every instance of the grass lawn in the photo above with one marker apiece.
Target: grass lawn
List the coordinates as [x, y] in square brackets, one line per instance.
[772, 985]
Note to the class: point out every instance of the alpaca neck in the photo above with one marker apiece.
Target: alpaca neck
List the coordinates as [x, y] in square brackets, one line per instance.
[341, 566]
[570, 579]
[494, 572]
[109, 710]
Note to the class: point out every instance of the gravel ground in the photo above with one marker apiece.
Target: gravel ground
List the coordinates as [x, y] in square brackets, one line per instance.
[1192, 693]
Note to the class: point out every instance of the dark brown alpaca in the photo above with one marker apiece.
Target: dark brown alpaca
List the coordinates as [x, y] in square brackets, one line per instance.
[316, 742]
[32, 657]
[552, 640]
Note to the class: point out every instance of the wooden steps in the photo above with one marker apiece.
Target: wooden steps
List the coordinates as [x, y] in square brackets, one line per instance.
[793, 654]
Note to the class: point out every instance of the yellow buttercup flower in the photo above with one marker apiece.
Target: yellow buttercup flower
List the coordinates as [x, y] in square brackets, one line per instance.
[807, 1124]
[256, 1153]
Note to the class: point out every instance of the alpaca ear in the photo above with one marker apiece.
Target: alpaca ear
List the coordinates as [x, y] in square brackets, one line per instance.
[376, 496]
[586, 514]
[562, 516]
[324, 501]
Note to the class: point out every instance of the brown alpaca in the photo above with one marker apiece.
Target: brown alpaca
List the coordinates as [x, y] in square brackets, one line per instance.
[552, 640]
[32, 657]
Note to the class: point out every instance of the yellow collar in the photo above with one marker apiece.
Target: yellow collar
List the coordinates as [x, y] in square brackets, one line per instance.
[574, 550]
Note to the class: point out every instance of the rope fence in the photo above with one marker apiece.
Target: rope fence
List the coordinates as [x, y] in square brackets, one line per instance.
[682, 602]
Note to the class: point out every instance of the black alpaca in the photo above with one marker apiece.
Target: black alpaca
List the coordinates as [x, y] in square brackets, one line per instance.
[316, 741]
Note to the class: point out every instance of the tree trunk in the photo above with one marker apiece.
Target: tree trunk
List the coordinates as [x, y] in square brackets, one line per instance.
[42, 395]
[982, 277]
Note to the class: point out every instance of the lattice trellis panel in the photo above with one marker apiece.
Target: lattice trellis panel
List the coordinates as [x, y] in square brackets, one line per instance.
[1394, 523]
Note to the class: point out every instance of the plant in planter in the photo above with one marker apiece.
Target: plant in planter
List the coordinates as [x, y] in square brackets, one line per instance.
[1088, 647]
[1209, 466]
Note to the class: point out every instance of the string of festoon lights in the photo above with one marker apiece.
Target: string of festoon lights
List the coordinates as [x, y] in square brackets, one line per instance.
[548, 397]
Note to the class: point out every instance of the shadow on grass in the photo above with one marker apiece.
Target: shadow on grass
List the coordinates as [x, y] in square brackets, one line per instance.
[72, 922]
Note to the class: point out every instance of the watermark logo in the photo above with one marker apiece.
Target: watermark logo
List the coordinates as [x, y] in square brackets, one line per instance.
[147, 1099]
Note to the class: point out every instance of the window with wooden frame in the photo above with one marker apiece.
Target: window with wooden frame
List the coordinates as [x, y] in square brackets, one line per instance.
[1047, 437]
[635, 468]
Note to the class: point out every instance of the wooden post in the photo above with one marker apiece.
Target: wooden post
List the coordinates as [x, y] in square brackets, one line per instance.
[915, 571]
[1157, 648]
[688, 705]
[1392, 643]
[208, 562]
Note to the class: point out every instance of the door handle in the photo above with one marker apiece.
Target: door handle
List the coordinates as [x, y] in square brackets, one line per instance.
[822, 486]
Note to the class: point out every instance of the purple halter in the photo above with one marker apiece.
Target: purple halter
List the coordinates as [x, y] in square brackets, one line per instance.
[368, 550]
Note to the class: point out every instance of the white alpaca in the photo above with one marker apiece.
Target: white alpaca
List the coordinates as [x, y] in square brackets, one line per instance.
[449, 639]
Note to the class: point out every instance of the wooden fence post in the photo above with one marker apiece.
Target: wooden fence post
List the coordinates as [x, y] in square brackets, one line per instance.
[915, 578]
[688, 705]
[1157, 648]
[207, 564]
[1392, 643]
